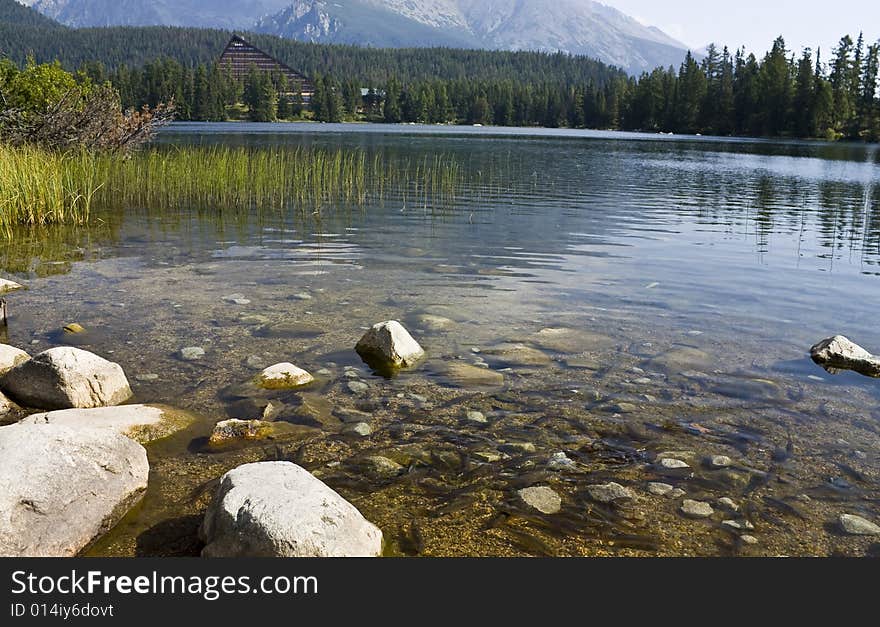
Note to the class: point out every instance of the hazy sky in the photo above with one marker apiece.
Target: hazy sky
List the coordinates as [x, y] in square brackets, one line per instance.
[756, 23]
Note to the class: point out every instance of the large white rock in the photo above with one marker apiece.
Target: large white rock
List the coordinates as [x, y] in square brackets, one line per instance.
[62, 488]
[6, 406]
[66, 378]
[7, 286]
[10, 357]
[142, 423]
[840, 353]
[283, 377]
[277, 509]
[390, 343]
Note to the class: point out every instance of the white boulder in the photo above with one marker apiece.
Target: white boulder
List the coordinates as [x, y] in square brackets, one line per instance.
[10, 357]
[142, 423]
[391, 344]
[66, 378]
[841, 353]
[62, 488]
[277, 509]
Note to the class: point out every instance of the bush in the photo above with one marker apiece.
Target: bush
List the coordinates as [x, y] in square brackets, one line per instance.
[45, 106]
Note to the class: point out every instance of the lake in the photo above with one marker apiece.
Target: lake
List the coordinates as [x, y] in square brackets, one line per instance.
[591, 303]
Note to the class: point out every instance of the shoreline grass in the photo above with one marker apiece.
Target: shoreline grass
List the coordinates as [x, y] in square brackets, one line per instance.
[40, 187]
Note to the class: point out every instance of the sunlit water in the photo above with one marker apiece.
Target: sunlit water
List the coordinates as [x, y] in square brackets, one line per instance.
[611, 296]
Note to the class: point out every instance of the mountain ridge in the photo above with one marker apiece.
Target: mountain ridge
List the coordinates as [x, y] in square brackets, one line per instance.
[580, 27]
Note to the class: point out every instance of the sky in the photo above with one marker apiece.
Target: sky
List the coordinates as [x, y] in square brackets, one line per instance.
[756, 23]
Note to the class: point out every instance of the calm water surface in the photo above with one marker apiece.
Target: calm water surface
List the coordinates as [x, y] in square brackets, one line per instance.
[616, 298]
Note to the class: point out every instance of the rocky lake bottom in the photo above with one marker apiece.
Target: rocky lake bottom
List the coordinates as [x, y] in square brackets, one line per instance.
[617, 358]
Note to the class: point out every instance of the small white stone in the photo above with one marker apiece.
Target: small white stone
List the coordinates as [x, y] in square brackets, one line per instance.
[476, 416]
[542, 498]
[192, 353]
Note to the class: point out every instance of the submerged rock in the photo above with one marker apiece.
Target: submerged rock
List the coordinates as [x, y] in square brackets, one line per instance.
[466, 375]
[381, 467]
[610, 492]
[142, 423]
[389, 344]
[683, 358]
[7, 286]
[66, 378]
[62, 488]
[192, 353]
[542, 498]
[571, 341]
[839, 353]
[696, 509]
[284, 376]
[277, 509]
[660, 489]
[858, 526]
[234, 429]
[434, 323]
[10, 357]
[518, 355]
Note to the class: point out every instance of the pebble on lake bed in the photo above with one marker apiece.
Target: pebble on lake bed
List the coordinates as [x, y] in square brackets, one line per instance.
[358, 387]
[858, 526]
[720, 461]
[477, 417]
[359, 428]
[660, 489]
[610, 492]
[542, 498]
[696, 509]
[192, 353]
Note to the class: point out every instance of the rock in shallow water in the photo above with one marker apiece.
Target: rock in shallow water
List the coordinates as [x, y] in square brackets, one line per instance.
[610, 492]
[61, 488]
[283, 377]
[696, 509]
[858, 526]
[466, 376]
[660, 489]
[10, 357]
[542, 498]
[7, 286]
[277, 509]
[66, 378]
[232, 430]
[839, 353]
[142, 423]
[192, 353]
[389, 344]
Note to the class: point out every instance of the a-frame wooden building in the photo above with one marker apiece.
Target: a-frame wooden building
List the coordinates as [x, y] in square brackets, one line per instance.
[241, 56]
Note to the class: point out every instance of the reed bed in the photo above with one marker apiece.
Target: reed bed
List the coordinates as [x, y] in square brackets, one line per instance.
[39, 187]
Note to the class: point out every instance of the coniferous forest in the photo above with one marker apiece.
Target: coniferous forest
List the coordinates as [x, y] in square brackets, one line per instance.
[781, 94]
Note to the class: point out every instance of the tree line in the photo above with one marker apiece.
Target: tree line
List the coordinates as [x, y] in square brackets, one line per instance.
[724, 93]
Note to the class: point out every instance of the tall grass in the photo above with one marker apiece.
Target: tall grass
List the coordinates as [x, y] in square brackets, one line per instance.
[39, 187]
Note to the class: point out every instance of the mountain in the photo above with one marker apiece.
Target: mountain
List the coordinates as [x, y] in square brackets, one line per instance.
[230, 14]
[12, 12]
[581, 27]
[576, 26]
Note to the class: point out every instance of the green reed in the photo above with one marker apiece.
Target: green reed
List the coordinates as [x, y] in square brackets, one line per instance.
[39, 187]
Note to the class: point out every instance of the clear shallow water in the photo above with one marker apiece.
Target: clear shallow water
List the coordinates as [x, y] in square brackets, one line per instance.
[638, 294]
